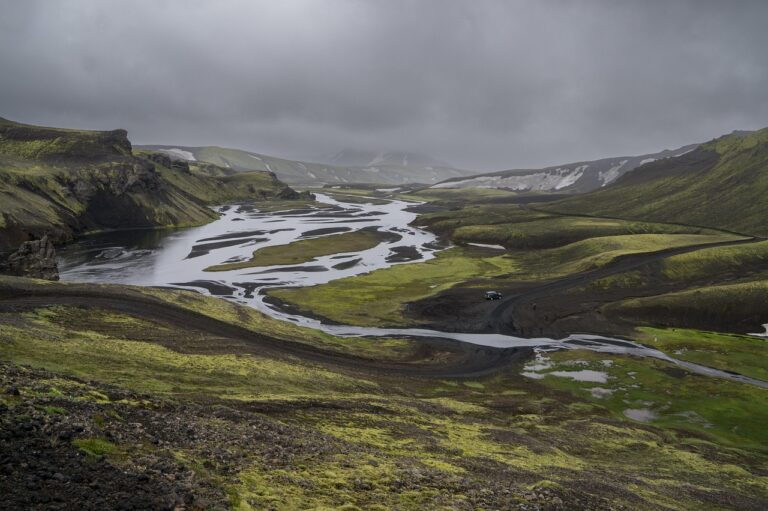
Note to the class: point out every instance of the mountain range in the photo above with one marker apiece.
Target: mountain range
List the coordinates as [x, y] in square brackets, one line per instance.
[362, 158]
[578, 177]
[345, 167]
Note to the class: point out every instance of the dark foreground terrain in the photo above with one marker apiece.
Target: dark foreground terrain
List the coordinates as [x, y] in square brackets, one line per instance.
[128, 398]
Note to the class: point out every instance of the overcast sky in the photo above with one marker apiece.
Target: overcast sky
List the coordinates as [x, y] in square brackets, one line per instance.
[480, 84]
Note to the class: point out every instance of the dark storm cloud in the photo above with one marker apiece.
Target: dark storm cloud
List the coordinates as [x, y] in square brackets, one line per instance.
[483, 84]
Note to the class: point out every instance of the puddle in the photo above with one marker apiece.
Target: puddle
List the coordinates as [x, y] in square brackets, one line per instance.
[539, 368]
[586, 375]
[600, 392]
[640, 414]
[694, 418]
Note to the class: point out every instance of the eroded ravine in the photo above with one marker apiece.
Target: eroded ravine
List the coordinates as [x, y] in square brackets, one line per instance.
[180, 258]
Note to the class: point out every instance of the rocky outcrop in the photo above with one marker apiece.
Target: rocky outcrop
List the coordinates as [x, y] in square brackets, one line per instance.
[160, 158]
[36, 259]
[124, 177]
[181, 165]
[289, 193]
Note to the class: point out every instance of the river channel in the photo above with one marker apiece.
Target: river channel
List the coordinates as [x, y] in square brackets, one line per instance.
[178, 258]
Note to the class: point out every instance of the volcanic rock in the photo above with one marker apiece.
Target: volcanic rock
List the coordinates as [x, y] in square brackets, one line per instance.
[36, 259]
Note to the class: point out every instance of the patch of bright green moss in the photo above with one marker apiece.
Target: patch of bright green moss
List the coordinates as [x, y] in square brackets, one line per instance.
[95, 447]
[328, 485]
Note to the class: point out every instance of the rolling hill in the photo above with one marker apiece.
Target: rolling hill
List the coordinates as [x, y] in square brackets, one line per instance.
[578, 177]
[721, 184]
[344, 167]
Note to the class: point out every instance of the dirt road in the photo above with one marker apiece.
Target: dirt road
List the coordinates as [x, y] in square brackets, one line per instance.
[501, 318]
[434, 358]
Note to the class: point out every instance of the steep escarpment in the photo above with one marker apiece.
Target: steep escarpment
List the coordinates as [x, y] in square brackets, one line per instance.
[61, 182]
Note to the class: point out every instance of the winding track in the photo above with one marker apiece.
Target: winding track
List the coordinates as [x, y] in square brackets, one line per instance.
[470, 361]
[501, 318]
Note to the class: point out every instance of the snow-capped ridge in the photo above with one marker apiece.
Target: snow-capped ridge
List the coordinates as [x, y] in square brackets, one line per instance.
[572, 177]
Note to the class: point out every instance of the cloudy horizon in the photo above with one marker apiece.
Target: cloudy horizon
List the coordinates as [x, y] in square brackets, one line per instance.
[483, 85]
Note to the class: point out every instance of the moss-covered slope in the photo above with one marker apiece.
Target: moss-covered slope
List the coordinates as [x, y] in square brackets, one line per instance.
[117, 397]
[721, 184]
[62, 182]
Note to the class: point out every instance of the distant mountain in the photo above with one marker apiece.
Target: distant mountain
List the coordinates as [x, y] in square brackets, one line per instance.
[722, 183]
[358, 158]
[579, 177]
[343, 168]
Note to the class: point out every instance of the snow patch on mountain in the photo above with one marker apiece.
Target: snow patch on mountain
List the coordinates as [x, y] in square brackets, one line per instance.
[363, 158]
[378, 159]
[572, 177]
[611, 174]
[181, 153]
[559, 178]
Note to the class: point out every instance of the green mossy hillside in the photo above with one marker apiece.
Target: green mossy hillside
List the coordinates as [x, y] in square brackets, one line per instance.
[738, 307]
[521, 228]
[722, 184]
[63, 182]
